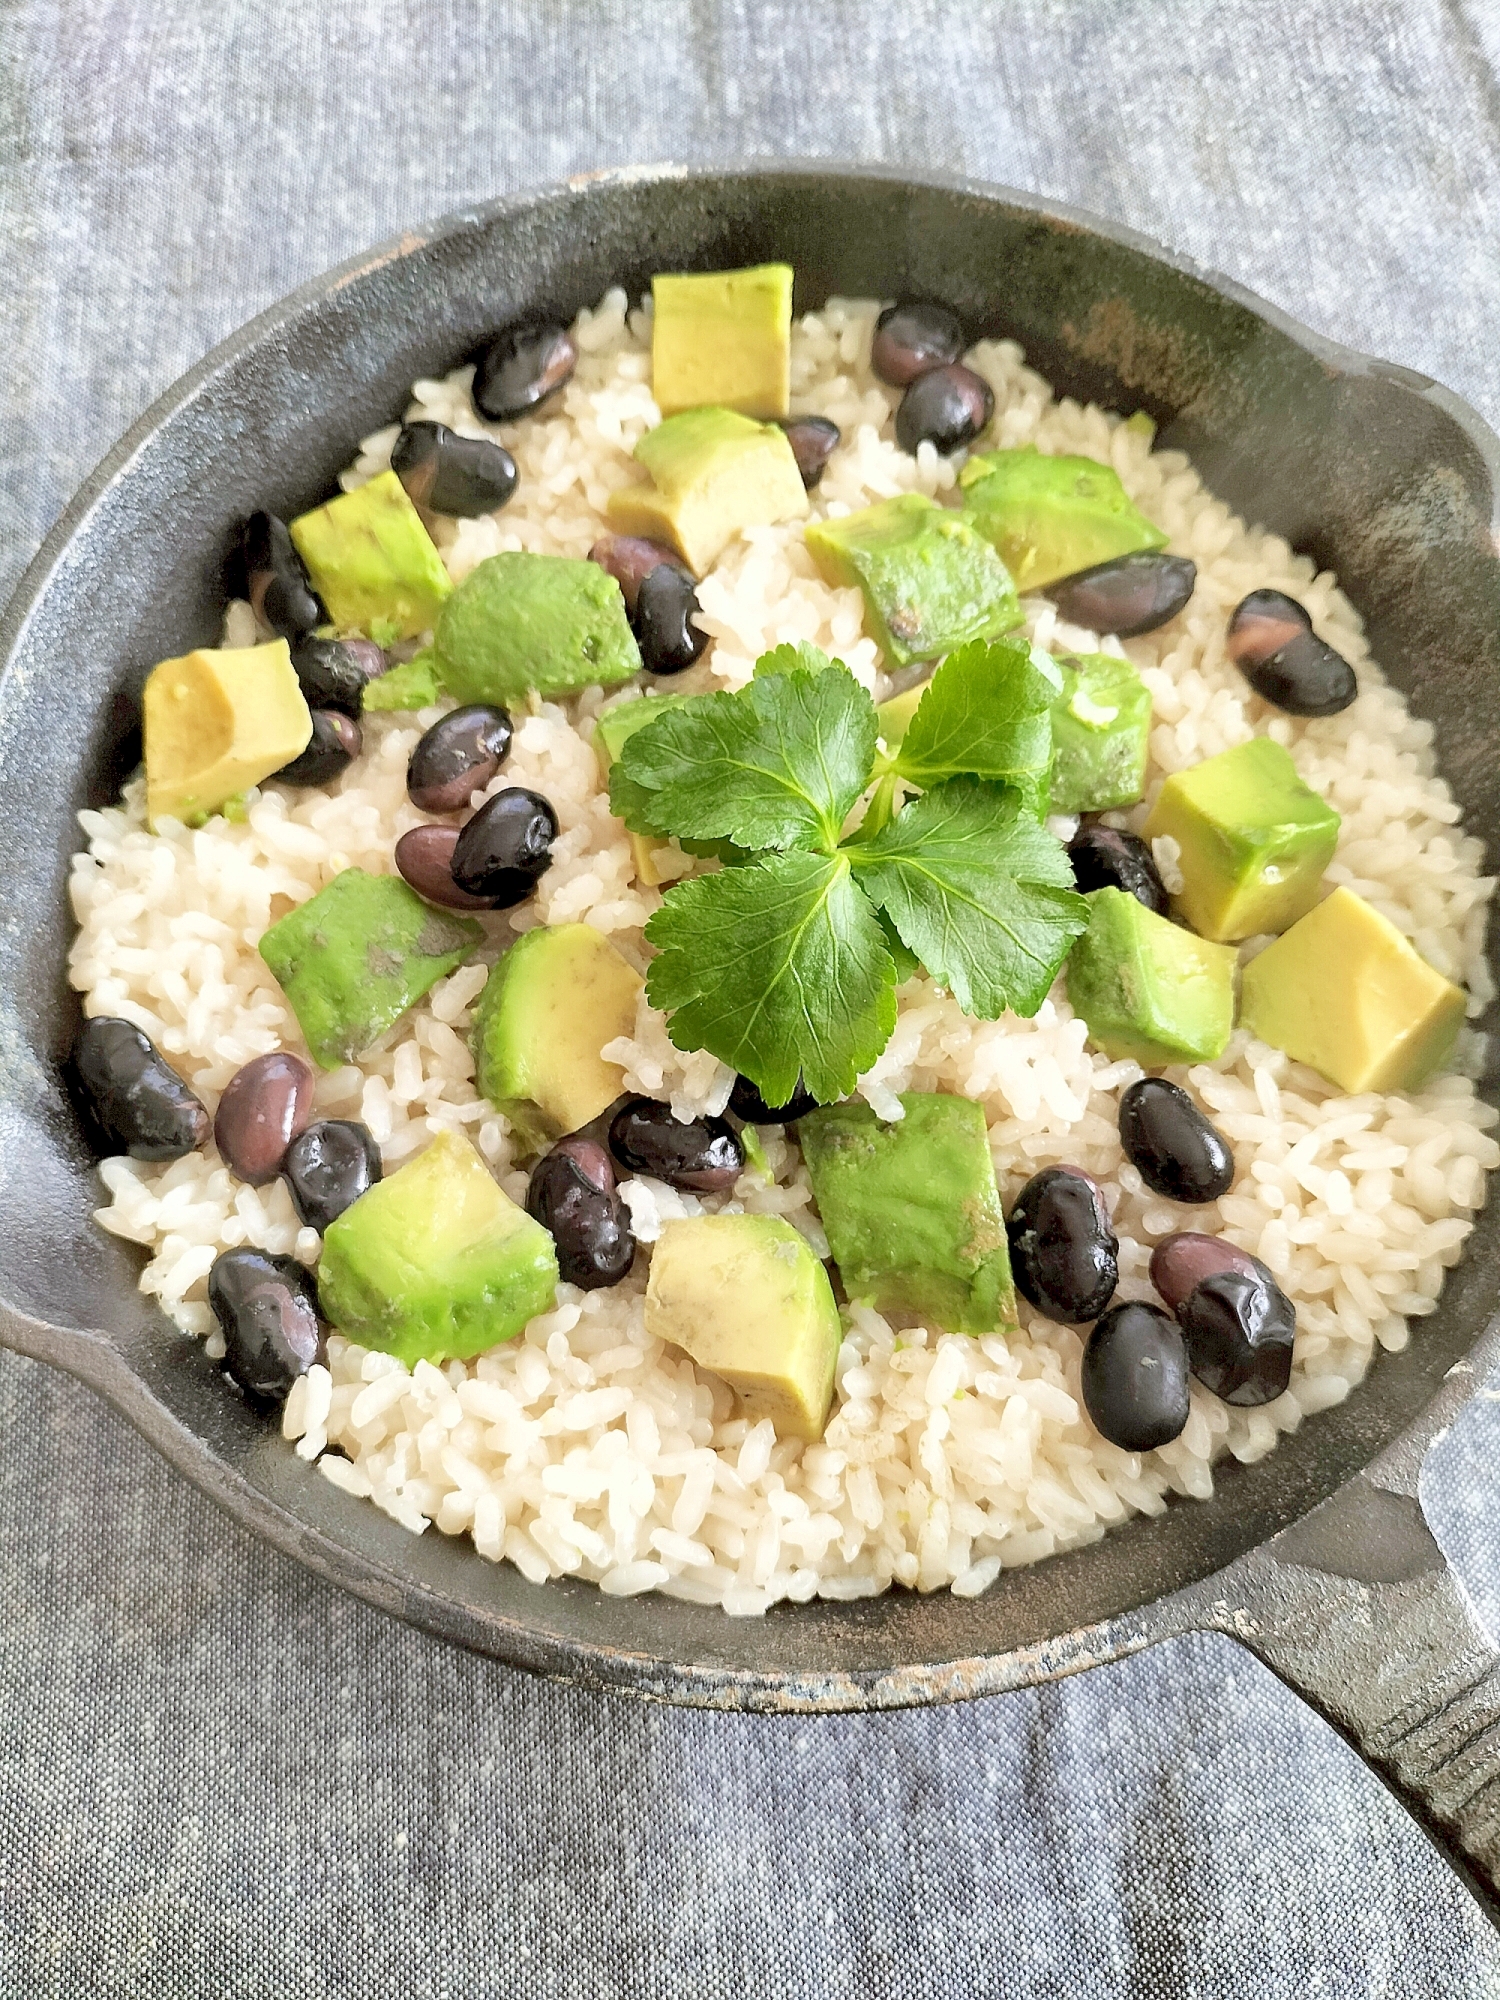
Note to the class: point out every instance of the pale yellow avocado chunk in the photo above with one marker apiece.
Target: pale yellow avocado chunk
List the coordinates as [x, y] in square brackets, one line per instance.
[893, 717]
[745, 1296]
[1254, 841]
[551, 1004]
[217, 722]
[723, 337]
[1344, 992]
[713, 472]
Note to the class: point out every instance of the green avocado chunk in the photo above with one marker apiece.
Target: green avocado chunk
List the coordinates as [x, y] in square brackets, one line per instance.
[436, 1263]
[1146, 988]
[357, 955]
[745, 1296]
[614, 727]
[713, 472]
[518, 622]
[372, 561]
[557, 996]
[413, 684]
[911, 1210]
[930, 583]
[1101, 726]
[1051, 517]
[722, 337]
[612, 731]
[1254, 840]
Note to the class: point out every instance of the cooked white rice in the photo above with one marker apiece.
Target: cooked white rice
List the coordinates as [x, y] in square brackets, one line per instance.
[585, 1446]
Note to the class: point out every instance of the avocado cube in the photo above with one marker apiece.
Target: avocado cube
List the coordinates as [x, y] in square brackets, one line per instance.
[893, 717]
[1101, 727]
[1254, 840]
[930, 583]
[372, 561]
[612, 731]
[745, 1296]
[1051, 517]
[911, 1210]
[217, 722]
[357, 955]
[1344, 992]
[436, 1263]
[723, 337]
[713, 472]
[1147, 989]
[557, 996]
[412, 684]
[520, 622]
[614, 728]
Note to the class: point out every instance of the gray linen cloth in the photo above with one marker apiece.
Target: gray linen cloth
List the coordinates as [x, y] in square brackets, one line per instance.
[218, 1777]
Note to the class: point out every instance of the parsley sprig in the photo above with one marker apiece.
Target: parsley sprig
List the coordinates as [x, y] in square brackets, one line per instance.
[785, 962]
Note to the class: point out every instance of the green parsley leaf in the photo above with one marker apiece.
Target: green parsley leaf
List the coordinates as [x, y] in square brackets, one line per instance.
[906, 962]
[776, 967]
[988, 711]
[803, 658]
[979, 891]
[630, 801]
[777, 765]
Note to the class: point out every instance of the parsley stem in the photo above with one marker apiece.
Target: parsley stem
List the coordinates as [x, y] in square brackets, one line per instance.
[881, 810]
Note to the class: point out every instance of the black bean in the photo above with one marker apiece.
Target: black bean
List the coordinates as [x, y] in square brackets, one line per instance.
[1239, 1331]
[502, 851]
[572, 1193]
[913, 338]
[746, 1102]
[1063, 1252]
[629, 559]
[1105, 858]
[275, 581]
[1262, 623]
[1181, 1262]
[665, 607]
[1272, 642]
[814, 440]
[264, 1106]
[142, 1105]
[457, 757]
[267, 1309]
[522, 366]
[1130, 595]
[1173, 1147]
[328, 1167]
[424, 859]
[336, 741]
[1238, 1323]
[449, 474]
[700, 1153]
[334, 673]
[947, 407]
[1135, 1377]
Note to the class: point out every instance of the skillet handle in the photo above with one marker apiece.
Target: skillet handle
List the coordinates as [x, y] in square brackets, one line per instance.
[1357, 1609]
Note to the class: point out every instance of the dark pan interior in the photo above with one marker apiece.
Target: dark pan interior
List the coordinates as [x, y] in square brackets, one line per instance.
[1361, 465]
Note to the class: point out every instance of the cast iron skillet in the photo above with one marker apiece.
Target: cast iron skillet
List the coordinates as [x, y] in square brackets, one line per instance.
[1318, 1559]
